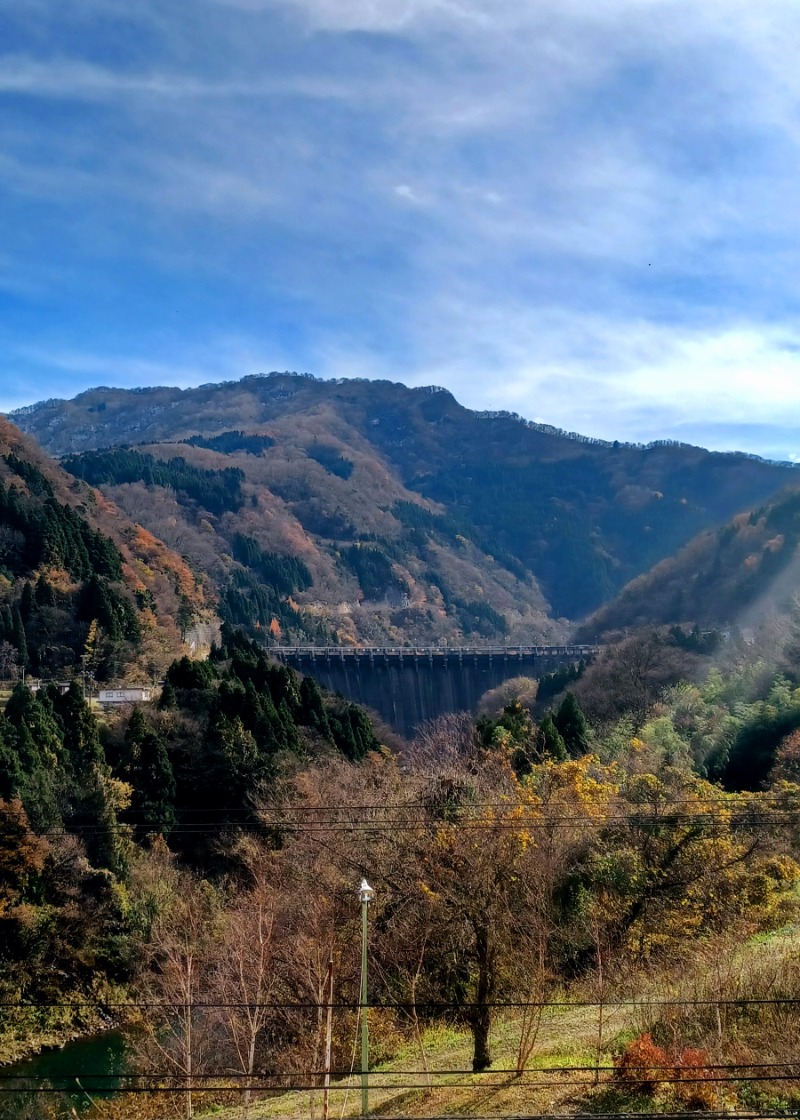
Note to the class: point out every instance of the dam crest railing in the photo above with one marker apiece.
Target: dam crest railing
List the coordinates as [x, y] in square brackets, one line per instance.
[433, 654]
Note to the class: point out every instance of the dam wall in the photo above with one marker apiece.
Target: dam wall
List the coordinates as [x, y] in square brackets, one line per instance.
[406, 686]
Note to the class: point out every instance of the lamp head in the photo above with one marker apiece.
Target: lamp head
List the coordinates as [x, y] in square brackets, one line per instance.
[365, 891]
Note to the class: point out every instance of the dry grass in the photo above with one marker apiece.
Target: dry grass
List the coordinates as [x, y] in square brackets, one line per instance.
[765, 967]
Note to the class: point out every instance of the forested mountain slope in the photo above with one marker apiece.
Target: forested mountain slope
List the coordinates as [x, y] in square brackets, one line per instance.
[411, 517]
[81, 587]
[733, 576]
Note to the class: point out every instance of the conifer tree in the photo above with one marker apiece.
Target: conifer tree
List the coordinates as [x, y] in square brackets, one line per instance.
[153, 781]
[27, 604]
[168, 699]
[33, 734]
[553, 745]
[43, 593]
[19, 639]
[312, 709]
[572, 726]
[289, 727]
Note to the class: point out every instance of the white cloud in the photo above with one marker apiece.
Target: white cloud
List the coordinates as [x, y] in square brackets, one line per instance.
[579, 209]
[616, 379]
[70, 78]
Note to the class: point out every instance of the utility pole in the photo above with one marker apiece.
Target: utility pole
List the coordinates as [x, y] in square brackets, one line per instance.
[328, 1032]
[366, 894]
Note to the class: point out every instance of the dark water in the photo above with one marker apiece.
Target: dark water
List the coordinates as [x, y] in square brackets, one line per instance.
[89, 1067]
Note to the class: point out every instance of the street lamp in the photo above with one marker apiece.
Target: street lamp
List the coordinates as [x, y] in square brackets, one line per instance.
[366, 894]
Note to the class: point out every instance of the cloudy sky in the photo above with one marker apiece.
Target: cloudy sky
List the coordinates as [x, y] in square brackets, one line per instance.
[585, 211]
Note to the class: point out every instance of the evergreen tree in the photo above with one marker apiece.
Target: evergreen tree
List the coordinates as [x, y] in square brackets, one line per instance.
[168, 699]
[80, 740]
[154, 789]
[18, 638]
[27, 604]
[553, 746]
[32, 732]
[343, 735]
[236, 767]
[572, 726]
[44, 594]
[135, 734]
[362, 731]
[6, 625]
[11, 776]
[189, 674]
[88, 793]
[312, 708]
[270, 730]
[289, 727]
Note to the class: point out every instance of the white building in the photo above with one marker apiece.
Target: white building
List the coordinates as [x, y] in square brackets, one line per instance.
[138, 695]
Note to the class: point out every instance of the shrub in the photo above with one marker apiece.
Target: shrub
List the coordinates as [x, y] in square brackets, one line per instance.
[642, 1065]
[685, 1075]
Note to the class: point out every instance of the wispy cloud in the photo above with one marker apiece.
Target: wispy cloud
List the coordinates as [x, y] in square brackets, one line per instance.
[69, 79]
[583, 210]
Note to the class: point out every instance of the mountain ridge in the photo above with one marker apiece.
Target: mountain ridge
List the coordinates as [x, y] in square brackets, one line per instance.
[418, 519]
[482, 414]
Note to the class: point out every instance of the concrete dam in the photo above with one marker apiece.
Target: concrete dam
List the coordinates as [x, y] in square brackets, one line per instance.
[406, 686]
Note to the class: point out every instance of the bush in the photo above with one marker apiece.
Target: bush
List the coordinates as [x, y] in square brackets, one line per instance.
[694, 1089]
[685, 1075]
[642, 1065]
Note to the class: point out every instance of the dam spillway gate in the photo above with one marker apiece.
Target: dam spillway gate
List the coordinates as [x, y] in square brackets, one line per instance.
[406, 685]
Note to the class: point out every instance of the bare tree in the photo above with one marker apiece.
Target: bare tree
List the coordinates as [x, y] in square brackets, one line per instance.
[184, 936]
[245, 978]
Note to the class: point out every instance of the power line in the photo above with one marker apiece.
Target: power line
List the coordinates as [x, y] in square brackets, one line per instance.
[538, 1070]
[402, 1087]
[723, 799]
[138, 1005]
[538, 824]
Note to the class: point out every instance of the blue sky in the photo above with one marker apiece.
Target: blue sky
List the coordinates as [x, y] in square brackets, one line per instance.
[585, 211]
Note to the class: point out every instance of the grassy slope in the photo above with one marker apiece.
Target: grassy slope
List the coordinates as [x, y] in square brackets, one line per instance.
[767, 966]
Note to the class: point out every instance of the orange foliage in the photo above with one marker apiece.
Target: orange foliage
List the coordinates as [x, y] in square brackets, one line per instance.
[686, 1074]
[104, 504]
[131, 578]
[694, 1087]
[155, 554]
[642, 1065]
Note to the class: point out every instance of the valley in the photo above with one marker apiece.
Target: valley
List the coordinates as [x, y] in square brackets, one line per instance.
[409, 517]
[543, 693]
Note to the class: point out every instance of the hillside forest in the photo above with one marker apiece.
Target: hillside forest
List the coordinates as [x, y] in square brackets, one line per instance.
[357, 511]
[586, 893]
[189, 869]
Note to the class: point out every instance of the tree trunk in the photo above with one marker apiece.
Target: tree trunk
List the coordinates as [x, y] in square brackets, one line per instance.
[481, 1022]
[481, 1019]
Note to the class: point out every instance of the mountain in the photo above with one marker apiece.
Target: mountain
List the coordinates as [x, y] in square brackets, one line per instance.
[365, 510]
[734, 575]
[80, 585]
